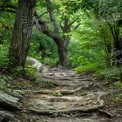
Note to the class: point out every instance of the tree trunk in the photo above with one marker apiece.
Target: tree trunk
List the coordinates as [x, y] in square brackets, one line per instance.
[62, 52]
[20, 42]
[63, 59]
[52, 17]
[62, 49]
[61, 46]
[118, 47]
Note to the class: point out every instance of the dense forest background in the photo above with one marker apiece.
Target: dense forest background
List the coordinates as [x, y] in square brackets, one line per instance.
[60, 60]
[85, 35]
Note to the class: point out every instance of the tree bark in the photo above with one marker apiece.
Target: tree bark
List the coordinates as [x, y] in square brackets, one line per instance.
[20, 42]
[118, 46]
[61, 47]
[62, 52]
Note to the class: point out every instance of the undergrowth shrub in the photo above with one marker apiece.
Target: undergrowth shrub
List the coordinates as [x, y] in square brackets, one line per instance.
[43, 49]
[4, 61]
[4, 82]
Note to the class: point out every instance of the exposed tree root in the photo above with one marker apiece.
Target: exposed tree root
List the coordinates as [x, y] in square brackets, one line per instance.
[78, 109]
[67, 78]
[82, 109]
[63, 92]
[106, 112]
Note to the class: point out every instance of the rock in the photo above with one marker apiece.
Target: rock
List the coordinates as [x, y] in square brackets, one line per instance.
[88, 120]
[8, 100]
[14, 93]
[60, 74]
[45, 69]
[7, 117]
[36, 64]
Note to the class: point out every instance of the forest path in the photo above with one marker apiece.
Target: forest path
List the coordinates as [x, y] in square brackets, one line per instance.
[73, 99]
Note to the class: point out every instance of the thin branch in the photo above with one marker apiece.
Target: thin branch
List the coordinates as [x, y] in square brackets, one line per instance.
[76, 26]
[52, 16]
[10, 6]
[112, 31]
[61, 25]
[42, 26]
[71, 23]
[43, 13]
[5, 2]
[8, 10]
[66, 27]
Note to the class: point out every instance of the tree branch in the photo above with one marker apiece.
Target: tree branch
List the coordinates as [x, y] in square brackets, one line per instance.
[52, 17]
[42, 26]
[76, 26]
[61, 25]
[71, 23]
[66, 26]
[43, 13]
[8, 10]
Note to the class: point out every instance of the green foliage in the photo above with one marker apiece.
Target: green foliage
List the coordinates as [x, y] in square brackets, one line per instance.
[17, 71]
[4, 62]
[30, 70]
[88, 68]
[6, 26]
[47, 85]
[112, 72]
[4, 82]
[56, 93]
[117, 84]
[43, 49]
[87, 52]
[88, 47]
[118, 98]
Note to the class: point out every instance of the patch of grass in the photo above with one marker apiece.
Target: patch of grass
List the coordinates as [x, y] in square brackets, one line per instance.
[47, 85]
[117, 84]
[4, 82]
[32, 72]
[56, 93]
[118, 98]
[94, 68]
[83, 93]
[4, 61]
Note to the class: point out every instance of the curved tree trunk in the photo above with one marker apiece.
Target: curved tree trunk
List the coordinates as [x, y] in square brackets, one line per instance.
[20, 42]
[62, 52]
[60, 42]
[61, 48]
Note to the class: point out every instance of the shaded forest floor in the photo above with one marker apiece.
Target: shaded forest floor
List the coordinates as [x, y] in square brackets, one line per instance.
[65, 96]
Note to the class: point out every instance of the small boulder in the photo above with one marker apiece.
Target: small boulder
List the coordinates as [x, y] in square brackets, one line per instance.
[8, 100]
[36, 64]
[7, 117]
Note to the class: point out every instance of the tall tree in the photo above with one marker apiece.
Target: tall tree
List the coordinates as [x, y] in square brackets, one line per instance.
[20, 42]
[61, 28]
[62, 49]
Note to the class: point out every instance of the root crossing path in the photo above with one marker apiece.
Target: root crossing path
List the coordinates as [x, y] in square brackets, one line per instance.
[70, 100]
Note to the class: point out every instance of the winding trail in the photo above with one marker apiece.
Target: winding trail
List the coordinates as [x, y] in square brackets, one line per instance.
[71, 100]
